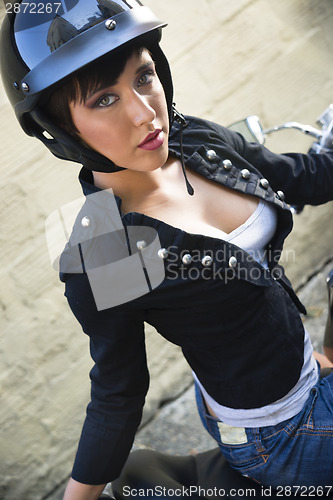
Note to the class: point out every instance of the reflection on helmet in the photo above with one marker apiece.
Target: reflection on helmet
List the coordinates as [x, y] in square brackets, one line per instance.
[47, 31]
[60, 32]
[39, 51]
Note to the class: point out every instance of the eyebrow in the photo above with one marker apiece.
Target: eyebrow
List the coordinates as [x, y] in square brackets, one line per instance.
[142, 67]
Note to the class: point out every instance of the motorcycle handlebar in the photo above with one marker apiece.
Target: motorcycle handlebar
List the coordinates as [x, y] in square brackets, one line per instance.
[306, 129]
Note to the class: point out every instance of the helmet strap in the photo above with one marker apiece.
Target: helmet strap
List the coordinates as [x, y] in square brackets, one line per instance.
[179, 118]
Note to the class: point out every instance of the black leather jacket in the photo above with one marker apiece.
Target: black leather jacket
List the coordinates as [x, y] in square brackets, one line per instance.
[237, 323]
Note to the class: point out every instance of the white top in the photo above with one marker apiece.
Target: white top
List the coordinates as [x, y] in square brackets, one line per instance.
[253, 237]
[256, 232]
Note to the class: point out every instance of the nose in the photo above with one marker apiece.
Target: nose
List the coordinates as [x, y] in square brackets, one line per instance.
[140, 110]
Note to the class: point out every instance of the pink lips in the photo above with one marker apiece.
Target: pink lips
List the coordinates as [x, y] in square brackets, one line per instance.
[152, 141]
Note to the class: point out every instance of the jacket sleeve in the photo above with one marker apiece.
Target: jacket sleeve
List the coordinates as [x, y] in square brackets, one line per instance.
[304, 178]
[119, 383]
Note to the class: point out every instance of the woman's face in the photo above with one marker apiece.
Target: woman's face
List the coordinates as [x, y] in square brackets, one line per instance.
[127, 122]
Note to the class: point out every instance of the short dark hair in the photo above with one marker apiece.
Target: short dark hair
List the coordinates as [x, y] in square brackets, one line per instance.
[76, 88]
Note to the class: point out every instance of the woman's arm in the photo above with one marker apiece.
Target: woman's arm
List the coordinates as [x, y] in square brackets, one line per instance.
[119, 382]
[304, 178]
[79, 491]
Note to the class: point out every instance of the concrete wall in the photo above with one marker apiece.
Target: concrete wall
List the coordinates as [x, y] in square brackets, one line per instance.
[229, 59]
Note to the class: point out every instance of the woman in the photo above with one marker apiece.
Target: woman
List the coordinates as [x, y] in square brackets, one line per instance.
[96, 80]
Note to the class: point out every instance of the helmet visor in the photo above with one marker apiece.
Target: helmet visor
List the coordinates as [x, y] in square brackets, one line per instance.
[61, 37]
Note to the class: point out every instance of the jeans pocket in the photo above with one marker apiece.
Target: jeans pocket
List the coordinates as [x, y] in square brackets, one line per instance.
[247, 460]
[306, 417]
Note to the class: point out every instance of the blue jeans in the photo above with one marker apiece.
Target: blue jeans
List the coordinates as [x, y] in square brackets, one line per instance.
[296, 452]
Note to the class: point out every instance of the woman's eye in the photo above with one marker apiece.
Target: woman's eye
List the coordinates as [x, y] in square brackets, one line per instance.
[146, 78]
[106, 100]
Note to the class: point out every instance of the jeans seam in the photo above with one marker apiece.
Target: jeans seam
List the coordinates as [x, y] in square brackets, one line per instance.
[235, 447]
[251, 467]
[315, 433]
[290, 430]
[258, 444]
[246, 460]
[308, 424]
[283, 429]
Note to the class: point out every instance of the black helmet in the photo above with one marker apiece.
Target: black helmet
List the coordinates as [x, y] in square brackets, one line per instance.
[43, 43]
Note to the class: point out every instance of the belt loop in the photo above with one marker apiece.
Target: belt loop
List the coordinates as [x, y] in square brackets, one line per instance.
[257, 440]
